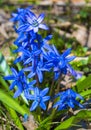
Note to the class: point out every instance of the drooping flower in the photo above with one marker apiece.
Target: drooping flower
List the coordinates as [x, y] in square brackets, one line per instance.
[39, 98]
[19, 80]
[68, 98]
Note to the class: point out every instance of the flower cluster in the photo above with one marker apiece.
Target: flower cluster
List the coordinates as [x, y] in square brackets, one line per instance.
[68, 99]
[37, 56]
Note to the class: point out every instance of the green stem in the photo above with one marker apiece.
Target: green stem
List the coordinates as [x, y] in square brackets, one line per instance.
[58, 86]
[37, 81]
[52, 88]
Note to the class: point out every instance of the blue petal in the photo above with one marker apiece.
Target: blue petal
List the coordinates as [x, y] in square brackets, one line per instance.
[32, 15]
[70, 103]
[44, 69]
[29, 20]
[79, 96]
[45, 98]
[46, 46]
[35, 29]
[62, 107]
[21, 73]
[40, 76]
[57, 104]
[55, 50]
[67, 52]
[29, 28]
[72, 71]
[42, 105]
[17, 60]
[10, 77]
[43, 26]
[23, 27]
[17, 93]
[30, 97]
[78, 75]
[28, 61]
[32, 82]
[31, 75]
[36, 92]
[34, 105]
[70, 58]
[44, 92]
[27, 69]
[12, 85]
[77, 103]
[41, 17]
[48, 37]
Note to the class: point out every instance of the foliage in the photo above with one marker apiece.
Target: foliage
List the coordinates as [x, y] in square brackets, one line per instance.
[35, 78]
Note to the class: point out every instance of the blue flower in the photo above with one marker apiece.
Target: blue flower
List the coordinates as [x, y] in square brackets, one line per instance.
[59, 62]
[36, 69]
[25, 40]
[20, 15]
[20, 81]
[68, 98]
[33, 23]
[42, 43]
[39, 98]
[27, 56]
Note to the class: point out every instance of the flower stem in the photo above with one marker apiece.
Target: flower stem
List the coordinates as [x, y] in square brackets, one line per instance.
[58, 86]
[37, 81]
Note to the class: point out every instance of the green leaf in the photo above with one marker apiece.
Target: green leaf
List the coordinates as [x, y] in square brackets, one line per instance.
[84, 114]
[8, 100]
[85, 93]
[66, 124]
[3, 65]
[84, 84]
[14, 117]
[45, 124]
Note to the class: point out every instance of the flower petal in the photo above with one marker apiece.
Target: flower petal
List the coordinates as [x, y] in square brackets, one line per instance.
[40, 76]
[44, 92]
[29, 28]
[43, 26]
[36, 92]
[41, 17]
[67, 52]
[14, 71]
[10, 77]
[12, 85]
[30, 97]
[17, 93]
[34, 105]
[42, 105]
[32, 82]
[35, 29]
[46, 98]
[31, 75]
